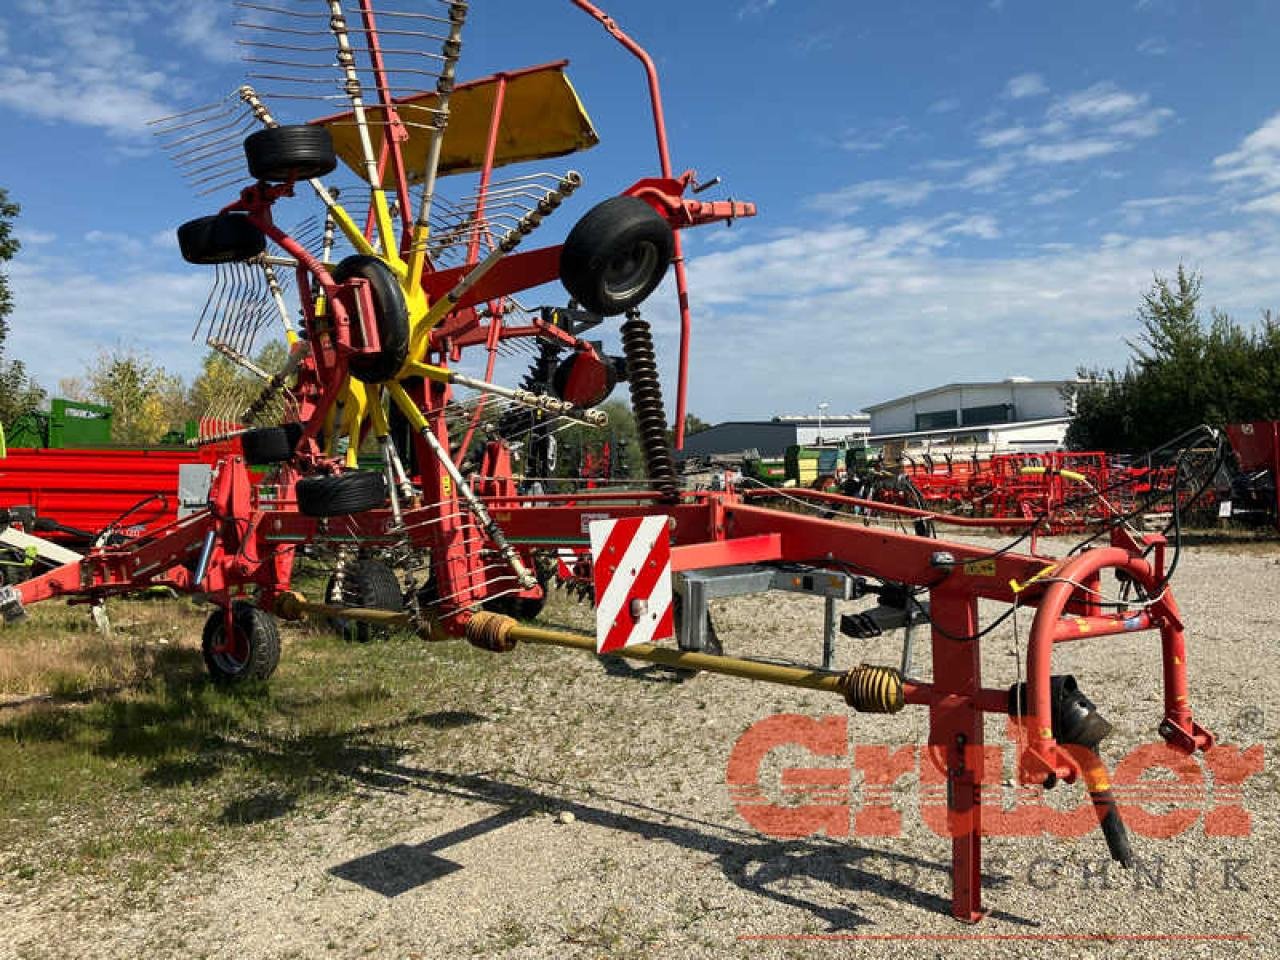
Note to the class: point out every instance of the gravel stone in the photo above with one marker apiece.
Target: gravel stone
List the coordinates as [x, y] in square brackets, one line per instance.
[445, 855]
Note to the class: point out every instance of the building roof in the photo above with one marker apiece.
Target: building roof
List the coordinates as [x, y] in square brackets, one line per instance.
[975, 428]
[769, 437]
[1009, 382]
[832, 418]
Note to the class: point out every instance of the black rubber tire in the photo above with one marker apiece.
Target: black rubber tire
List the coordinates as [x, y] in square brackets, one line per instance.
[390, 315]
[615, 255]
[365, 583]
[257, 652]
[267, 445]
[222, 238]
[340, 494]
[285, 154]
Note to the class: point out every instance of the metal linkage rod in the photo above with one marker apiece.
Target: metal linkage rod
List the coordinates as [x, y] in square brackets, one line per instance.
[351, 86]
[277, 297]
[527, 224]
[238, 358]
[439, 123]
[469, 498]
[499, 633]
[477, 508]
[538, 401]
[277, 382]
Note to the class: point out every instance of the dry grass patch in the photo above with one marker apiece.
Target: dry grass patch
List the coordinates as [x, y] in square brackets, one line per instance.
[59, 652]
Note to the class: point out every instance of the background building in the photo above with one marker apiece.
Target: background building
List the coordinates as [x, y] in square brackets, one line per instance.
[1015, 400]
[772, 437]
[1014, 414]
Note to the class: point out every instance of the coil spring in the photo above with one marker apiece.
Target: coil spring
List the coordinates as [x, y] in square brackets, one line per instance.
[491, 631]
[646, 404]
[872, 689]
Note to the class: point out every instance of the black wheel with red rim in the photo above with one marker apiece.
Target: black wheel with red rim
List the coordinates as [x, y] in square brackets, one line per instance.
[250, 652]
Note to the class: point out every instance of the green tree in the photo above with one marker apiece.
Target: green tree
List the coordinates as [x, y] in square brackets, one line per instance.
[223, 389]
[694, 424]
[574, 442]
[1183, 372]
[145, 399]
[19, 394]
[8, 250]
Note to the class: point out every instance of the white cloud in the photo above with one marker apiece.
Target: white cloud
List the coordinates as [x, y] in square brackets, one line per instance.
[1142, 125]
[1164, 203]
[1154, 46]
[203, 27]
[152, 309]
[1051, 196]
[1041, 313]
[1137, 211]
[983, 226]
[867, 141]
[1084, 125]
[986, 176]
[1070, 151]
[754, 8]
[30, 237]
[1100, 101]
[1269, 203]
[80, 64]
[1025, 85]
[1006, 137]
[114, 244]
[1255, 164]
[894, 193]
[945, 105]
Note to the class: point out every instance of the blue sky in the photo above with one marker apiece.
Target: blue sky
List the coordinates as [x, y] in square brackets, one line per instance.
[948, 190]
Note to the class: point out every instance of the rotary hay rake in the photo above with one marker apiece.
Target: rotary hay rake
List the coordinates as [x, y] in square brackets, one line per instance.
[373, 345]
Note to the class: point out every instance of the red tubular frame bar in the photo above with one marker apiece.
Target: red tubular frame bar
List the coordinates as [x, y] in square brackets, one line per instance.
[664, 161]
[247, 536]
[253, 547]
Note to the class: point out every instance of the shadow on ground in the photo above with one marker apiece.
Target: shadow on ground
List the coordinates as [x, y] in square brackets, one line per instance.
[762, 866]
[188, 731]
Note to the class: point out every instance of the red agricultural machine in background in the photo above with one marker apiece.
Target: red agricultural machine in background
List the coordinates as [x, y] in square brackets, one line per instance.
[1063, 492]
[380, 306]
[1255, 490]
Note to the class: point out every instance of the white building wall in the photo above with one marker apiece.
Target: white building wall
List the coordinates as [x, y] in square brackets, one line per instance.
[1033, 400]
[1037, 437]
[831, 432]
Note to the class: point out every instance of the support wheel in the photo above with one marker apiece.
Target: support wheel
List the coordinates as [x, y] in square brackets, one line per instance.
[267, 445]
[285, 154]
[615, 255]
[223, 238]
[366, 583]
[391, 317]
[252, 653]
[336, 495]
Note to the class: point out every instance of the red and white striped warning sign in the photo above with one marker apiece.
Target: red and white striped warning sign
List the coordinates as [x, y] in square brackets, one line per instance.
[632, 568]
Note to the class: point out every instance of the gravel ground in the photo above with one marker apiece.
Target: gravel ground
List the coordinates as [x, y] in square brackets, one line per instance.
[586, 814]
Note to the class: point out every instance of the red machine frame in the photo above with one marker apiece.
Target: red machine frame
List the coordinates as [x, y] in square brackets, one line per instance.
[243, 545]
